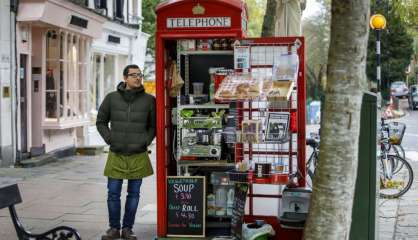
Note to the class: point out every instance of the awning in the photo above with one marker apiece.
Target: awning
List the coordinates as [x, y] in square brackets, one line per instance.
[62, 14]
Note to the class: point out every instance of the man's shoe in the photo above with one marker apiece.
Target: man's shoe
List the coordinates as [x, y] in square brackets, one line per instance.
[111, 234]
[128, 234]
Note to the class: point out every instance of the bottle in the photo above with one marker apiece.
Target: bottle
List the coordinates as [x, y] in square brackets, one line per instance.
[224, 44]
[211, 204]
[230, 202]
[212, 91]
[221, 200]
[216, 44]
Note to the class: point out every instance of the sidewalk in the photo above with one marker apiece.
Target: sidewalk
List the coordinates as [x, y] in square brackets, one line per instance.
[72, 192]
[398, 218]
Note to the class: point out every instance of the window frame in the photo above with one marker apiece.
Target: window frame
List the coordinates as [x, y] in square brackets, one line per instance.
[68, 58]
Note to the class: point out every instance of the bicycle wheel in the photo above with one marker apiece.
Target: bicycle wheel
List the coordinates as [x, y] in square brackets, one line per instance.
[394, 185]
[311, 165]
[398, 150]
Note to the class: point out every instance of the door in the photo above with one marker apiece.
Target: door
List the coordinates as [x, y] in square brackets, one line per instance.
[23, 104]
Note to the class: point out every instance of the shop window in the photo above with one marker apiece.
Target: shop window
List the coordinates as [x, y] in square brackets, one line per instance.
[118, 9]
[65, 87]
[104, 80]
[94, 94]
[109, 74]
[100, 4]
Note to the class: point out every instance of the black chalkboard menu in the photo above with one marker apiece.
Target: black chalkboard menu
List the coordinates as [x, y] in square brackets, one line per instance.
[186, 206]
[238, 212]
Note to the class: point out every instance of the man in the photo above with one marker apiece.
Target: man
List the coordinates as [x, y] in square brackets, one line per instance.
[131, 113]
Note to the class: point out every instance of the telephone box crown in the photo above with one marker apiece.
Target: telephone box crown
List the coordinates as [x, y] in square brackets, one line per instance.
[198, 10]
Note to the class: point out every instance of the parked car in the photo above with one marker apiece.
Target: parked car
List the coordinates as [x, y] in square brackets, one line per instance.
[413, 97]
[399, 89]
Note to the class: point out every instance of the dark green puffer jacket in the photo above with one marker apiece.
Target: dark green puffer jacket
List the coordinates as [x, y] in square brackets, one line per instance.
[131, 114]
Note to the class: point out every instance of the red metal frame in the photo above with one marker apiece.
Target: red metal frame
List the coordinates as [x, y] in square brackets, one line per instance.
[183, 8]
[235, 9]
[301, 96]
[281, 233]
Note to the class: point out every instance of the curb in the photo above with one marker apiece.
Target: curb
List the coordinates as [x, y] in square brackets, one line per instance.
[38, 161]
[91, 150]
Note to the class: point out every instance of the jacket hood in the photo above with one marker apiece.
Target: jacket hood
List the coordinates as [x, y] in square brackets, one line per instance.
[129, 94]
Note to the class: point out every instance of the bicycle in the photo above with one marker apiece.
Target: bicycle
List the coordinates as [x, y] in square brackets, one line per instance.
[396, 129]
[394, 132]
[312, 162]
[395, 171]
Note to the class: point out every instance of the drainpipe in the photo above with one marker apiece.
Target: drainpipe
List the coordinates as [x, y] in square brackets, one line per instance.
[127, 11]
[13, 84]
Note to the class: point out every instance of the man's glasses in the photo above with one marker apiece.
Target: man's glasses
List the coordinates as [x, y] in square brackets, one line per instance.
[136, 75]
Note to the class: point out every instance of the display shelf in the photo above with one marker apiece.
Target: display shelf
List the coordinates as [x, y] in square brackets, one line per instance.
[218, 224]
[201, 122]
[208, 52]
[198, 150]
[250, 177]
[204, 106]
[206, 163]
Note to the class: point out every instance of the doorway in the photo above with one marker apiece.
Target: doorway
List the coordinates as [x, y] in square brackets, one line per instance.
[23, 105]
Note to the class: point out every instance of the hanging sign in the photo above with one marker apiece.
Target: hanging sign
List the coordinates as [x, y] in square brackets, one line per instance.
[186, 205]
[242, 57]
[199, 22]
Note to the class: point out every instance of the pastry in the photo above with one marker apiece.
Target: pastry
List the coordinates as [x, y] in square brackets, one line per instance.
[226, 94]
[267, 84]
[254, 88]
[242, 88]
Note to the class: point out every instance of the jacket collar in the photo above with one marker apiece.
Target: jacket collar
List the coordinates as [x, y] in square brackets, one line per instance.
[129, 95]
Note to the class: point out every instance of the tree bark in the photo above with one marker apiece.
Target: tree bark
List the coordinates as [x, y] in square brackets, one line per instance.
[334, 184]
[269, 19]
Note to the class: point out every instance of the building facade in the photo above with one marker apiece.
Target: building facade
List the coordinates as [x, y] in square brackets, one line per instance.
[68, 54]
[7, 74]
[122, 42]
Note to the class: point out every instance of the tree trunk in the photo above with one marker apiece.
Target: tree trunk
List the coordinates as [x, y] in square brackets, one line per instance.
[269, 19]
[335, 178]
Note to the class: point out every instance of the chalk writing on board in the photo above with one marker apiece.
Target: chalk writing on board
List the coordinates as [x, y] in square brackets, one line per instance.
[186, 206]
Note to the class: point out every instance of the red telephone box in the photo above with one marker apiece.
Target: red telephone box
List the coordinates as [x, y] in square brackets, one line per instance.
[192, 37]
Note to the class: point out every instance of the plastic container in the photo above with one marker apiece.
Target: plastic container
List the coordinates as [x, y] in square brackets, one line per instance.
[211, 205]
[396, 132]
[286, 67]
[198, 88]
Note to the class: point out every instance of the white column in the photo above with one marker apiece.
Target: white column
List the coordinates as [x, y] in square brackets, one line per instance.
[92, 87]
[29, 89]
[83, 78]
[43, 78]
[65, 73]
[71, 77]
[116, 74]
[90, 76]
[77, 80]
[102, 79]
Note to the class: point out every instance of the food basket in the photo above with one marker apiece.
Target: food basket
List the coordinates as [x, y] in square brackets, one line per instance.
[396, 132]
[239, 87]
